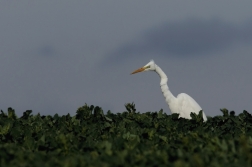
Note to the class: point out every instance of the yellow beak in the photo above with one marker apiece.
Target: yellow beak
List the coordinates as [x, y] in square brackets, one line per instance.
[138, 70]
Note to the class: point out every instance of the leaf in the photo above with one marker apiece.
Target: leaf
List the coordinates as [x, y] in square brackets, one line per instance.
[26, 114]
[163, 138]
[160, 114]
[11, 113]
[225, 112]
[130, 107]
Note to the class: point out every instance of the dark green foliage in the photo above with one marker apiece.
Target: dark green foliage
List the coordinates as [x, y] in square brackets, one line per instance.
[92, 138]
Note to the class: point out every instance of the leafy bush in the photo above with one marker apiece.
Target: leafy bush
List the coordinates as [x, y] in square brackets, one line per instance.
[130, 138]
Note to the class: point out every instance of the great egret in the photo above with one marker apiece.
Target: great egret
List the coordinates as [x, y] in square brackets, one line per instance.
[183, 104]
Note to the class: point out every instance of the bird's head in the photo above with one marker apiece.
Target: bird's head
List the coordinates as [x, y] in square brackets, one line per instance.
[148, 67]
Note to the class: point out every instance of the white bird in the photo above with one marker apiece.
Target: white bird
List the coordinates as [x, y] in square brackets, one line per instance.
[183, 104]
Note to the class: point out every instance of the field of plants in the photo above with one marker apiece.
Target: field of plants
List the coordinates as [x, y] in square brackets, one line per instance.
[94, 138]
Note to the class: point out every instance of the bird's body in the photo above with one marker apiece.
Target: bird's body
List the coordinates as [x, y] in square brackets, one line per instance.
[183, 104]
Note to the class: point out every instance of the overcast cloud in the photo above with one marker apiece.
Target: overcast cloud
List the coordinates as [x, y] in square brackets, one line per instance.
[188, 38]
[55, 56]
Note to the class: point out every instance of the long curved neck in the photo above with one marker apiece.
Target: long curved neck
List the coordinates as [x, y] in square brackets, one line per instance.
[163, 84]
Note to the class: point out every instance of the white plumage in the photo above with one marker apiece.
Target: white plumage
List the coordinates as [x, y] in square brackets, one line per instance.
[183, 104]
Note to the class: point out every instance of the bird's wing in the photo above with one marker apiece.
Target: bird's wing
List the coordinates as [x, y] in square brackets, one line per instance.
[186, 105]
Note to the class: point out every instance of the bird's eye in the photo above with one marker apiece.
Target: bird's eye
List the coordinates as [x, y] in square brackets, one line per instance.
[148, 66]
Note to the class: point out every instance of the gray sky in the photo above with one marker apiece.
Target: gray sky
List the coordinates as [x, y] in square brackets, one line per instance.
[55, 56]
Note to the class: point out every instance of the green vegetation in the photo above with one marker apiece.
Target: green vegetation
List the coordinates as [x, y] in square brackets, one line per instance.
[92, 138]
